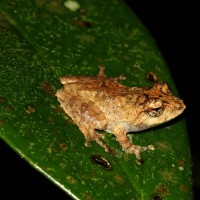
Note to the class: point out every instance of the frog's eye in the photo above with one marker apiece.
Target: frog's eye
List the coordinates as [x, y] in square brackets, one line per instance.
[155, 108]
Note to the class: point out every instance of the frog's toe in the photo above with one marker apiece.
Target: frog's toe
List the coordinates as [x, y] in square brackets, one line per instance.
[101, 143]
[150, 147]
[87, 143]
[134, 149]
[98, 138]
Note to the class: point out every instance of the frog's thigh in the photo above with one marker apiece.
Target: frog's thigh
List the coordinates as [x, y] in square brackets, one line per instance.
[121, 137]
[88, 117]
[88, 113]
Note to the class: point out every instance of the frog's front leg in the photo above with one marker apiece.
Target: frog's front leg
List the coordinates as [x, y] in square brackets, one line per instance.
[121, 137]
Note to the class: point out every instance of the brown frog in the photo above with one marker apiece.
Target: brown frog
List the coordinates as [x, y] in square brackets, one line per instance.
[99, 102]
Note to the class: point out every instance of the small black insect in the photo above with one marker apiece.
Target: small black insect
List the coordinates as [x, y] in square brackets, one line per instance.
[100, 160]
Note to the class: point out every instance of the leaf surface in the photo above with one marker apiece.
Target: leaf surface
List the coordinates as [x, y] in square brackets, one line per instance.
[41, 41]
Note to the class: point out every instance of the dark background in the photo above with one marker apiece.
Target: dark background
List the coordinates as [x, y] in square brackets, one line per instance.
[174, 26]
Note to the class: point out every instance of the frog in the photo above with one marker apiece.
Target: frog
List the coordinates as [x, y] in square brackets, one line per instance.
[103, 103]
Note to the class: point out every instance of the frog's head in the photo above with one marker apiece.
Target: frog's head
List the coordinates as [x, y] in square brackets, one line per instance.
[160, 106]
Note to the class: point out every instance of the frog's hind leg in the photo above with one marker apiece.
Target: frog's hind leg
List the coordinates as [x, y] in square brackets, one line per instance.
[88, 118]
[91, 135]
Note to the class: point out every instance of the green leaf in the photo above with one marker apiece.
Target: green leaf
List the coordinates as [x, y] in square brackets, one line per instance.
[41, 41]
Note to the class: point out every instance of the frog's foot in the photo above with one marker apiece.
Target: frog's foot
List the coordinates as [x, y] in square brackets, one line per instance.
[131, 148]
[102, 74]
[92, 135]
[137, 150]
